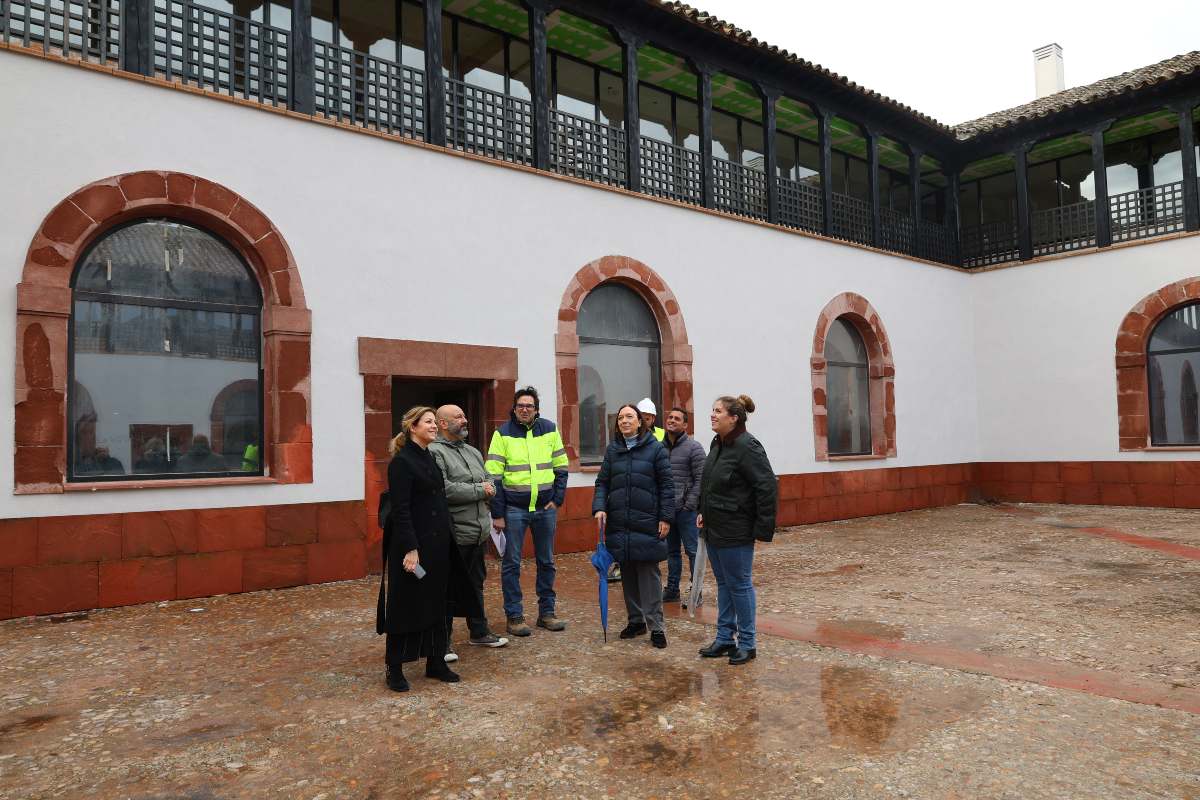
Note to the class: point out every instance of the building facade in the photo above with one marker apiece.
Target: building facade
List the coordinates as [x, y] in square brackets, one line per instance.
[245, 239]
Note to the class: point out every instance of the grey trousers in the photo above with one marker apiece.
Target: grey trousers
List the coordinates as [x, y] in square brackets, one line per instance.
[641, 581]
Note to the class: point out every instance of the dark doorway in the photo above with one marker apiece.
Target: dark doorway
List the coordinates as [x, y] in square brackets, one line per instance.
[467, 395]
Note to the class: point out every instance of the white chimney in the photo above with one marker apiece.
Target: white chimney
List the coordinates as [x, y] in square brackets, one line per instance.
[1048, 70]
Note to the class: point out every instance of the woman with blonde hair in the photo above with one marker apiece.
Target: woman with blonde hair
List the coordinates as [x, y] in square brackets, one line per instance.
[737, 508]
[420, 563]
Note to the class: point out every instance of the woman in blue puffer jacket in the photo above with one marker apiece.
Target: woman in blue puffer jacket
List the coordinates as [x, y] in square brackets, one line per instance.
[635, 503]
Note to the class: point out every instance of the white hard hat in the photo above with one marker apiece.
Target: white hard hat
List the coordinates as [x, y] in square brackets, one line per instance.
[646, 406]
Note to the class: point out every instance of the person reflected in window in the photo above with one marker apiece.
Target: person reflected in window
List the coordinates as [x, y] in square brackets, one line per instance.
[634, 504]
[737, 508]
[101, 462]
[200, 457]
[154, 458]
[250, 458]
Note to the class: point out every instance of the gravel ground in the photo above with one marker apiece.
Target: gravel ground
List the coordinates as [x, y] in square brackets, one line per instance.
[280, 694]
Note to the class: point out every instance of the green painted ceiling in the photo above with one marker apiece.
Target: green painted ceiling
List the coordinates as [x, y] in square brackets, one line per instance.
[593, 43]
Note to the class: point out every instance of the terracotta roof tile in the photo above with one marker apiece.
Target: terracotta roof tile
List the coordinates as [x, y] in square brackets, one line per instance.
[1167, 70]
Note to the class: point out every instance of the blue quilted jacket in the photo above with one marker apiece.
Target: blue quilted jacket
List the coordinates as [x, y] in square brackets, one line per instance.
[636, 490]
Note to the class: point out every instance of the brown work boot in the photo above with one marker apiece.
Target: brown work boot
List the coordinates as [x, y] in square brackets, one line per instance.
[517, 627]
[551, 623]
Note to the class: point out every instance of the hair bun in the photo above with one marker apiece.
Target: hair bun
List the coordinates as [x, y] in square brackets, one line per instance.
[746, 402]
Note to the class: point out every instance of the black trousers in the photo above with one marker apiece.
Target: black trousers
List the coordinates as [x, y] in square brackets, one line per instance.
[472, 558]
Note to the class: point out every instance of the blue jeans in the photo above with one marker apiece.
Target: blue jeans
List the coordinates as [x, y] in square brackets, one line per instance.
[735, 594]
[682, 531]
[541, 523]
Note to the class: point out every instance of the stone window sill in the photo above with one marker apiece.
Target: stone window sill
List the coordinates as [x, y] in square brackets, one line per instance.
[183, 483]
[866, 457]
[1183, 448]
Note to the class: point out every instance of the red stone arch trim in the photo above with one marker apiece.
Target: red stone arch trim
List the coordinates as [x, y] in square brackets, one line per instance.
[882, 372]
[676, 352]
[1133, 340]
[44, 307]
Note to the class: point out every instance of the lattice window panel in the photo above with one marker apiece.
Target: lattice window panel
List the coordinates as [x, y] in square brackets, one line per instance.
[851, 218]
[800, 205]
[670, 171]
[489, 123]
[739, 189]
[1065, 228]
[990, 243]
[365, 90]
[936, 242]
[1147, 212]
[587, 149]
[89, 30]
[222, 52]
[896, 231]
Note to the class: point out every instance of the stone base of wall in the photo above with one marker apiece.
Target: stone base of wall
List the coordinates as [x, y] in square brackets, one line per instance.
[51, 565]
[1163, 484]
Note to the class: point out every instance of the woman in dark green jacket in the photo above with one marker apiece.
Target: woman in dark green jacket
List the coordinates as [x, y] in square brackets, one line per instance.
[737, 507]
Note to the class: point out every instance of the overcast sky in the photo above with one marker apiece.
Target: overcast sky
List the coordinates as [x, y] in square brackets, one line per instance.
[960, 59]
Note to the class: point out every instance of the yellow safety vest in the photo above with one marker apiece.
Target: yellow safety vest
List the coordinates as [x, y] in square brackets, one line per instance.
[526, 458]
[659, 433]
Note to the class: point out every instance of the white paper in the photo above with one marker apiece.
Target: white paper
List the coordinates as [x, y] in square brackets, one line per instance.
[498, 540]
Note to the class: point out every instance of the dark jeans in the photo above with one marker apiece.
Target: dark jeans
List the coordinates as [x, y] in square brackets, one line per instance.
[541, 524]
[683, 531]
[472, 558]
[736, 600]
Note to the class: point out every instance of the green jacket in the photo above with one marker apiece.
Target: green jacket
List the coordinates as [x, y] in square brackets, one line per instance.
[737, 492]
[462, 469]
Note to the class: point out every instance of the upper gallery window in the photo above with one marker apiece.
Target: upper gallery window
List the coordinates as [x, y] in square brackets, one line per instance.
[166, 377]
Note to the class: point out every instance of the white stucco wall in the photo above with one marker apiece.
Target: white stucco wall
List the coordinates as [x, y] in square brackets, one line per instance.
[398, 242]
[1046, 341]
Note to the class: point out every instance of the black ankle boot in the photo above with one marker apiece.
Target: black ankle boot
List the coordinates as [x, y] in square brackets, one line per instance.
[716, 650]
[396, 680]
[439, 671]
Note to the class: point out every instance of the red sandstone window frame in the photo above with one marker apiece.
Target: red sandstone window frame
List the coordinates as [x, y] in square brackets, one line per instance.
[881, 374]
[675, 355]
[1133, 341]
[44, 309]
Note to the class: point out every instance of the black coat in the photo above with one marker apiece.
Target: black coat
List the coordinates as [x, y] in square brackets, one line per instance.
[420, 520]
[636, 490]
[737, 492]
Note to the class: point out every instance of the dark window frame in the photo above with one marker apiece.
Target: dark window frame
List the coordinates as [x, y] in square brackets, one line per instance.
[1151, 353]
[865, 367]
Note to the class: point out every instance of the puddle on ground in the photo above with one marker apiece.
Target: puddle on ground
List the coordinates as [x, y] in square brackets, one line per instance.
[694, 721]
[858, 630]
[26, 725]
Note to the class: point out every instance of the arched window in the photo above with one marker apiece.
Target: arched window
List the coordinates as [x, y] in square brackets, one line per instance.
[849, 401]
[1173, 360]
[165, 316]
[618, 362]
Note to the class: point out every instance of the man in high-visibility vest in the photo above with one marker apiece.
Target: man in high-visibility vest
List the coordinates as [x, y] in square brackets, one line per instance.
[529, 462]
[649, 414]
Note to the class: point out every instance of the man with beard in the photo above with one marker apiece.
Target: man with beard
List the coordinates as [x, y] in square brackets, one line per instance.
[468, 490]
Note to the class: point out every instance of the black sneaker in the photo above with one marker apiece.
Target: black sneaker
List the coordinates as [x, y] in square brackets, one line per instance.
[445, 675]
[670, 595]
[633, 629]
[488, 640]
[658, 639]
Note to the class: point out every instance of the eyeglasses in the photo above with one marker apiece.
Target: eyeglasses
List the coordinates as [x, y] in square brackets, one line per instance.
[525, 405]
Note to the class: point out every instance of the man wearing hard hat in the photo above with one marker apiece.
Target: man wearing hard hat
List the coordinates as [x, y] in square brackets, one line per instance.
[649, 414]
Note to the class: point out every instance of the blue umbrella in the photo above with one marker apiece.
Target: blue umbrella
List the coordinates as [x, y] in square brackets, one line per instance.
[602, 560]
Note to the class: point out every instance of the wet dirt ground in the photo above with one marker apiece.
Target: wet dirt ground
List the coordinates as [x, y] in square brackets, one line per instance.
[887, 657]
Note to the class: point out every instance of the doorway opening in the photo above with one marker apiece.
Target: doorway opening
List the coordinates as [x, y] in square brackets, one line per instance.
[467, 395]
